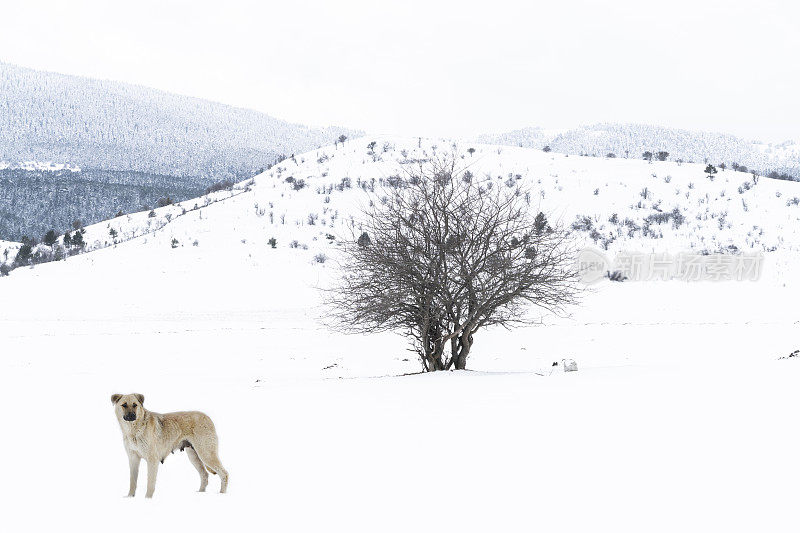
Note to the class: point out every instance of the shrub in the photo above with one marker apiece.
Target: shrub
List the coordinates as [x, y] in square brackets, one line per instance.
[616, 276]
[174, 242]
[273, 242]
[320, 258]
[218, 186]
[583, 223]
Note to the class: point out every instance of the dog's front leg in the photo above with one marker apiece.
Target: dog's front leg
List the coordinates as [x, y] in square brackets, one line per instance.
[133, 463]
[152, 472]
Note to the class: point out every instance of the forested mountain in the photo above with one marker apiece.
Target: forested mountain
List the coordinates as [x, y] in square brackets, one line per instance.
[632, 140]
[117, 126]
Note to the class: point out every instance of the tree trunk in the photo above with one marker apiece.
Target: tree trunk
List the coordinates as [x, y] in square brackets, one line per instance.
[433, 357]
[465, 341]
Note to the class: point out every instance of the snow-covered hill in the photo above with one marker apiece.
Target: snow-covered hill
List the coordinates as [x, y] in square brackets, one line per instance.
[615, 204]
[681, 395]
[632, 140]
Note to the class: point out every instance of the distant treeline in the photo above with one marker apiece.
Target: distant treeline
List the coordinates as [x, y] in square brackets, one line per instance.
[35, 201]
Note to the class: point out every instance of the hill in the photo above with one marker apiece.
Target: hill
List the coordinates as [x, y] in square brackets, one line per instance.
[632, 140]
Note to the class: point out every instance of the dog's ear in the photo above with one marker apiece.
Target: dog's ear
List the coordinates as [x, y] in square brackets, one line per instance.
[140, 397]
[115, 398]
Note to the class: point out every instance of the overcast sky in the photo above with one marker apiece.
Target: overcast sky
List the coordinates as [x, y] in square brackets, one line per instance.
[440, 68]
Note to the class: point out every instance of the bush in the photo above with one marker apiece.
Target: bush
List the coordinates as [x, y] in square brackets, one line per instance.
[675, 216]
[616, 276]
[320, 258]
[219, 186]
[273, 242]
[583, 223]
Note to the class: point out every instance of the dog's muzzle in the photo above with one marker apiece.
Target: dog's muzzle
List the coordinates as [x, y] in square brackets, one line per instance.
[130, 417]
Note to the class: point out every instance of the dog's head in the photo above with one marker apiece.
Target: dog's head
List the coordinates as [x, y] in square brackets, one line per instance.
[128, 406]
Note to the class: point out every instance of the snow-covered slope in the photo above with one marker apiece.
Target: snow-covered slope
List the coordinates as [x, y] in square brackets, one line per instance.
[620, 205]
[680, 401]
[632, 140]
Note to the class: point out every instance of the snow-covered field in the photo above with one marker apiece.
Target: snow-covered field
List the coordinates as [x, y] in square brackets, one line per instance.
[681, 416]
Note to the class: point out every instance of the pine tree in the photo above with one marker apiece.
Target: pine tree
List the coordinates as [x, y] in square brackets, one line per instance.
[24, 255]
[50, 238]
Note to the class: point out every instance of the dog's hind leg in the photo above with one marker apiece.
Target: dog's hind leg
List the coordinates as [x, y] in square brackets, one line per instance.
[198, 464]
[211, 460]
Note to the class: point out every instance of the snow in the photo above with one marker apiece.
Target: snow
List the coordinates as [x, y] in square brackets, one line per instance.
[47, 166]
[681, 415]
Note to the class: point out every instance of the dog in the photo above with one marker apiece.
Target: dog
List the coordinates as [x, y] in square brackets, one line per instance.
[153, 436]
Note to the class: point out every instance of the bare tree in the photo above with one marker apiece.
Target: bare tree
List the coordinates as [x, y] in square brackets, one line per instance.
[446, 257]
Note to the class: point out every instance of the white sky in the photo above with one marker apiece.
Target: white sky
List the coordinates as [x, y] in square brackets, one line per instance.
[439, 68]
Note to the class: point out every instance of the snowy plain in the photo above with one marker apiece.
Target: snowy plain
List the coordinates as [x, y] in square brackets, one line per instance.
[681, 416]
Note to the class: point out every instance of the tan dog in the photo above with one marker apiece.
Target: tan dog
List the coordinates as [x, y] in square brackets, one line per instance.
[153, 436]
